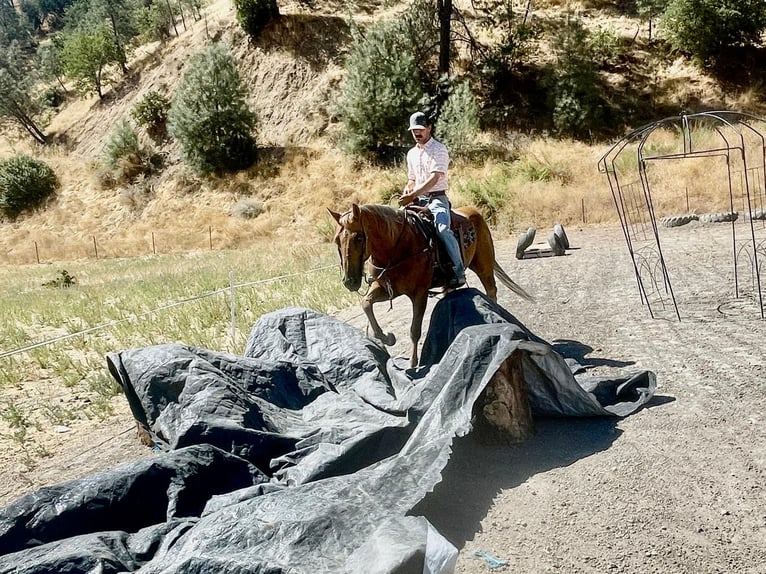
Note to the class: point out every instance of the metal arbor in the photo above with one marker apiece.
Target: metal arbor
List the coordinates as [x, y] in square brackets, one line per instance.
[732, 149]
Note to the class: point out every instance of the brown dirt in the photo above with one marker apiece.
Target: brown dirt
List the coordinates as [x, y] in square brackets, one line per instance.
[677, 487]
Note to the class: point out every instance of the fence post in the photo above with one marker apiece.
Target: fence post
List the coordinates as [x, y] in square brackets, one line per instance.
[154, 246]
[232, 306]
[582, 201]
[95, 247]
[210, 235]
[37, 253]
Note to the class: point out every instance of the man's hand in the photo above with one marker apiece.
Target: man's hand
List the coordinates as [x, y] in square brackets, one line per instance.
[406, 199]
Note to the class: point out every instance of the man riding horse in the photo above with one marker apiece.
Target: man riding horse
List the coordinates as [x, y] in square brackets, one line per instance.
[427, 164]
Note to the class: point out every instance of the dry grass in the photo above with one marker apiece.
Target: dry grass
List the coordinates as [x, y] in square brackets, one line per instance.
[549, 181]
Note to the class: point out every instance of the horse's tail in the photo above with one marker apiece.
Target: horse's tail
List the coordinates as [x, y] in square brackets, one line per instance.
[510, 283]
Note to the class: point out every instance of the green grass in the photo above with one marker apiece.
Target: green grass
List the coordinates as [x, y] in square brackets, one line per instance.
[128, 303]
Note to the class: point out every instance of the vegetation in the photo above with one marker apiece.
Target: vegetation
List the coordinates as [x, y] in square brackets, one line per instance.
[86, 57]
[138, 302]
[459, 120]
[124, 158]
[151, 113]
[382, 67]
[25, 182]
[19, 101]
[578, 108]
[209, 116]
[705, 29]
[254, 15]
[488, 72]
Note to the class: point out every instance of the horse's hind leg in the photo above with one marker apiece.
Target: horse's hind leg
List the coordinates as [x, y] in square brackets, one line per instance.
[483, 265]
[482, 260]
[374, 294]
[419, 302]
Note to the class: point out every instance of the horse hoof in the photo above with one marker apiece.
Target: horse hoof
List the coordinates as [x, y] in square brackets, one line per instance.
[389, 340]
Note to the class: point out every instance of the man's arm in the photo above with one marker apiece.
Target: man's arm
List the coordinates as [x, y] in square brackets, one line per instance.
[411, 192]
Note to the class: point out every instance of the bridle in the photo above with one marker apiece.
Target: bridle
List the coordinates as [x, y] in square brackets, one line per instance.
[380, 273]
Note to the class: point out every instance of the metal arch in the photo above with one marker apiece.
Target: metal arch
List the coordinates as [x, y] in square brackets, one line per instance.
[731, 128]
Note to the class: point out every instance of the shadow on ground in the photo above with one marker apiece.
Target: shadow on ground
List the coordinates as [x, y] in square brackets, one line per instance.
[477, 473]
[580, 351]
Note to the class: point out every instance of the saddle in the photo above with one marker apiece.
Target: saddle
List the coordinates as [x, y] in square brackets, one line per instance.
[461, 226]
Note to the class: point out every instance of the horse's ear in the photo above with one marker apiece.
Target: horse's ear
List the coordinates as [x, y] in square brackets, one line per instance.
[355, 210]
[335, 216]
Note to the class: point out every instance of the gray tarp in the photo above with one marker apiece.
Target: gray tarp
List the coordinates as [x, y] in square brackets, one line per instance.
[304, 455]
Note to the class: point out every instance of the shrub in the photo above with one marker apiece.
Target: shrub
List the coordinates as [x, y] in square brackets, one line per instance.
[62, 281]
[248, 208]
[209, 116]
[459, 120]
[154, 21]
[253, 15]
[151, 113]
[703, 28]
[24, 183]
[489, 195]
[123, 155]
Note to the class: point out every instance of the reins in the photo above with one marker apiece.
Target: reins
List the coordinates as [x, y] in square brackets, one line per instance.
[392, 265]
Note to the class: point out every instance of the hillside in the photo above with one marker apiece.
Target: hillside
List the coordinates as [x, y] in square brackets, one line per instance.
[293, 73]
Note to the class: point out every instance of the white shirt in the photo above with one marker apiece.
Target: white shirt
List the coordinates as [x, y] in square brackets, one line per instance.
[423, 161]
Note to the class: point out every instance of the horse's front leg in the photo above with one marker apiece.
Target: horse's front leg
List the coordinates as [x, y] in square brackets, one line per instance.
[419, 302]
[374, 294]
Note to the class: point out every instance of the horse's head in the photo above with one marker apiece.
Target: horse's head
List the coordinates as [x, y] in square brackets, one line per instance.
[352, 246]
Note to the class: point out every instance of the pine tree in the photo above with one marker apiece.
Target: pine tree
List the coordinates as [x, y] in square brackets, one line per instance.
[209, 116]
[459, 118]
[382, 86]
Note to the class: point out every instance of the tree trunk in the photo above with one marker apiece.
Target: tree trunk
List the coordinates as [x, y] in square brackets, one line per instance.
[502, 413]
[120, 49]
[17, 112]
[29, 125]
[444, 8]
[172, 17]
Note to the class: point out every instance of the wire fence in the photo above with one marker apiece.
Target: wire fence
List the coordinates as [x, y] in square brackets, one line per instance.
[52, 248]
[230, 289]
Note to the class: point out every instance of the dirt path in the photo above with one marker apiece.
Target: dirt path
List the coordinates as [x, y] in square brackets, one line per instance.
[676, 488]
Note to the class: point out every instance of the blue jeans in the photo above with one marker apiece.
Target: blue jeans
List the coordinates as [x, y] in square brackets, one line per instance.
[439, 207]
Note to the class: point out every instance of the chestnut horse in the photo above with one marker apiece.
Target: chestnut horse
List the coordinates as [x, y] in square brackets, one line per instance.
[401, 260]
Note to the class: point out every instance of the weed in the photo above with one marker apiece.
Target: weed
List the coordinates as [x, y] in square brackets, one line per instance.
[490, 195]
[62, 281]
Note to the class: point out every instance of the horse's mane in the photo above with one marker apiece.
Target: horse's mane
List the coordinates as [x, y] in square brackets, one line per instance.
[389, 220]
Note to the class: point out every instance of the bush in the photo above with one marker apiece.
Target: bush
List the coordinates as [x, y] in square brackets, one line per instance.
[123, 155]
[24, 183]
[703, 28]
[248, 208]
[62, 281]
[459, 120]
[209, 116]
[151, 113]
[489, 195]
[253, 15]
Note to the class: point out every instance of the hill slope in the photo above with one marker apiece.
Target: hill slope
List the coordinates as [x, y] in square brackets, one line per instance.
[293, 73]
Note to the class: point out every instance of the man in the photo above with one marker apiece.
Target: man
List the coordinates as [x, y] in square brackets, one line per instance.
[427, 164]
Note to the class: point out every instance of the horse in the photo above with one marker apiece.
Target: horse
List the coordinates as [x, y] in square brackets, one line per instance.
[401, 260]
